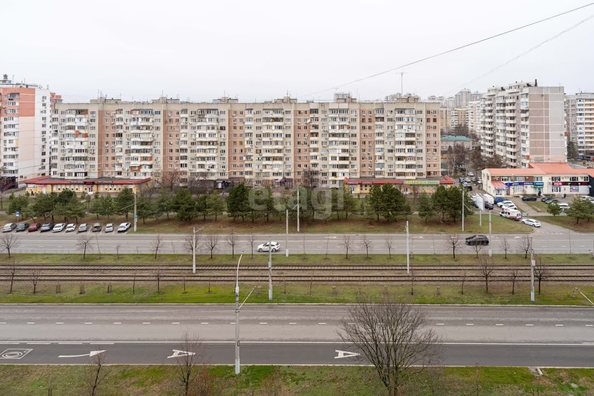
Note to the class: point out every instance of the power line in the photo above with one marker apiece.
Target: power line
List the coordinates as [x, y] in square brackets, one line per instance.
[526, 52]
[455, 49]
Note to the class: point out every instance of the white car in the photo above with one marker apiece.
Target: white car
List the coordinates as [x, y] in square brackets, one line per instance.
[124, 227]
[531, 222]
[71, 227]
[108, 227]
[59, 227]
[273, 246]
[563, 205]
[506, 202]
[509, 206]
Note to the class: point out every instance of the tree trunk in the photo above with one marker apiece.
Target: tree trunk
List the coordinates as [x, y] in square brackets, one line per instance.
[487, 284]
[513, 286]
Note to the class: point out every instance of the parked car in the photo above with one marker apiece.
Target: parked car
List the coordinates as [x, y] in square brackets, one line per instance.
[71, 227]
[531, 222]
[83, 227]
[477, 240]
[96, 227]
[545, 199]
[34, 227]
[124, 227]
[529, 198]
[22, 227]
[108, 227]
[462, 180]
[265, 247]
[9, 227]
[488, 206]
[551, 200]
[479, 181]
[509, 206]
[59, 227]
[563, 205]
[46, 227]
[504, 202]
[470, 174]
[499, 199]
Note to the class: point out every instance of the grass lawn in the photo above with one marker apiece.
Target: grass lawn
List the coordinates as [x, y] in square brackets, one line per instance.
[537, 206]
[146, 293]
[569, 223]
[355, 224]
[296, 380]
[297, 258]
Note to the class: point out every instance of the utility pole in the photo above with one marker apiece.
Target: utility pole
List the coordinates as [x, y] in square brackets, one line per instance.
[269, 268]
[490, 250]
[407, 250]
[135, 215]
[462, 188]
[532, 265]
[287, 233]
[193, 250]
[297, 208]
[237, 363]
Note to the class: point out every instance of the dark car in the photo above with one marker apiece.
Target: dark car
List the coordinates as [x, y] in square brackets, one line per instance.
[46, 227]
[22, 227]
[477, 240]
[462, 180]
[545, 199]
[529, 198]
[488, 206]
[96, 227]
[34, 227]
[550, 200]
[499, 199]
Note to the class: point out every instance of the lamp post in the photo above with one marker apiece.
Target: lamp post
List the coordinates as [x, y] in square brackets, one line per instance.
[407, 250]
[269, 268]
[135, 215]
[237, 308]
[532, 264]
[297, 208]
[287, 233]
[194, 243]
[462, 188]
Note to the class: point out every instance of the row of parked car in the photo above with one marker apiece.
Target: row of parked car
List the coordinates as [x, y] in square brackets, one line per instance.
[59, 227]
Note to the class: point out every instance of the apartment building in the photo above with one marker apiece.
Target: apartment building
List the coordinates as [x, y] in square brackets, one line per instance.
[579, 113]
[473, 115]
[25, 128]
[281, 141]
[523, 123]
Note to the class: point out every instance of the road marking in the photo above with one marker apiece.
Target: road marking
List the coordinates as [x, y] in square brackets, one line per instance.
[88, 323]
[30, 323]
[440, 324]
[14, 353]
[345, 354]
[292, 323]
[38, 343]
[352, 323]
[59, 323]
[146, 323]
[90, 354]
[263, 323]
[322, 323]
[558, 325]
[70, 343]
[178, 353]
[529, 325]
[589, 325]
[176, 323]
[469, 324]
[499, 324]
[1, 323]
[204, 323]
[117, 323]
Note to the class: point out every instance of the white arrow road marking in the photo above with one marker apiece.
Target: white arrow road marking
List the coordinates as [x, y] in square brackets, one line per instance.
[178, 353]
[90, 354]
[345, 354]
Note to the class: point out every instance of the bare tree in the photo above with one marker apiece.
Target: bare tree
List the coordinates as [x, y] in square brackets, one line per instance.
[12, 270]
[389, 245]
[84, 244]
[211, 243]
[366, 245]
[505, 246]
[158, 275]
[513, 275]
[193, 240]
[35, 275]
[95, 372]
[477, 248]
[171, 179]
[463, 282]
[118, 251]
[232, 241]
[541, 271]
[252, 242]
[9, 241]
[452, 242]
[487, 266]
[157, 244]
[190, 373]
[347, 242]
[391, 335]
[525, 245]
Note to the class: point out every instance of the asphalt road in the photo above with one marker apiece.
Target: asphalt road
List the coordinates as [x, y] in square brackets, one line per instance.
[293, 334]
[548, 239]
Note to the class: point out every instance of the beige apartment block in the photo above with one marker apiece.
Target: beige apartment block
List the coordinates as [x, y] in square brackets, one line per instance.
[25, 128]
[264, 143]
[523, 123]
[579, 113]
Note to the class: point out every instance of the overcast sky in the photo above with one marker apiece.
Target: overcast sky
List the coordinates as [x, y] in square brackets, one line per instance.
[262, 49]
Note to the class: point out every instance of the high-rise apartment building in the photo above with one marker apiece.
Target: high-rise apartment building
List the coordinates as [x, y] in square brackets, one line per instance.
[473, 115]
[25, 128]
[260, 143]
[579, 113]
[524, 123]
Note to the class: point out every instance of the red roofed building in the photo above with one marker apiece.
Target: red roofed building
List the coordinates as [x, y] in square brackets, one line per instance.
[539, 179]
[102, 185]
[416, 186]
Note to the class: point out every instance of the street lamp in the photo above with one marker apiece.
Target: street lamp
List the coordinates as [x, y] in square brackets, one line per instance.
[532, 265]
[237, 308]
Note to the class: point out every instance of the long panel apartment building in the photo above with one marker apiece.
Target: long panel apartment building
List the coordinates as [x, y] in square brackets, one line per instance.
[523, 123]
[25, 128]
[579, 112]
[259, 143]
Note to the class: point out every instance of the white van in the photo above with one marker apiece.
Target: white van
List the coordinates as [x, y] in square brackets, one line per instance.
[511, 214]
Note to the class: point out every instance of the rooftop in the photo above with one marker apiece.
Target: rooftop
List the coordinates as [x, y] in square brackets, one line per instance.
[456, 139]
[536, 169]
[100, 180]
